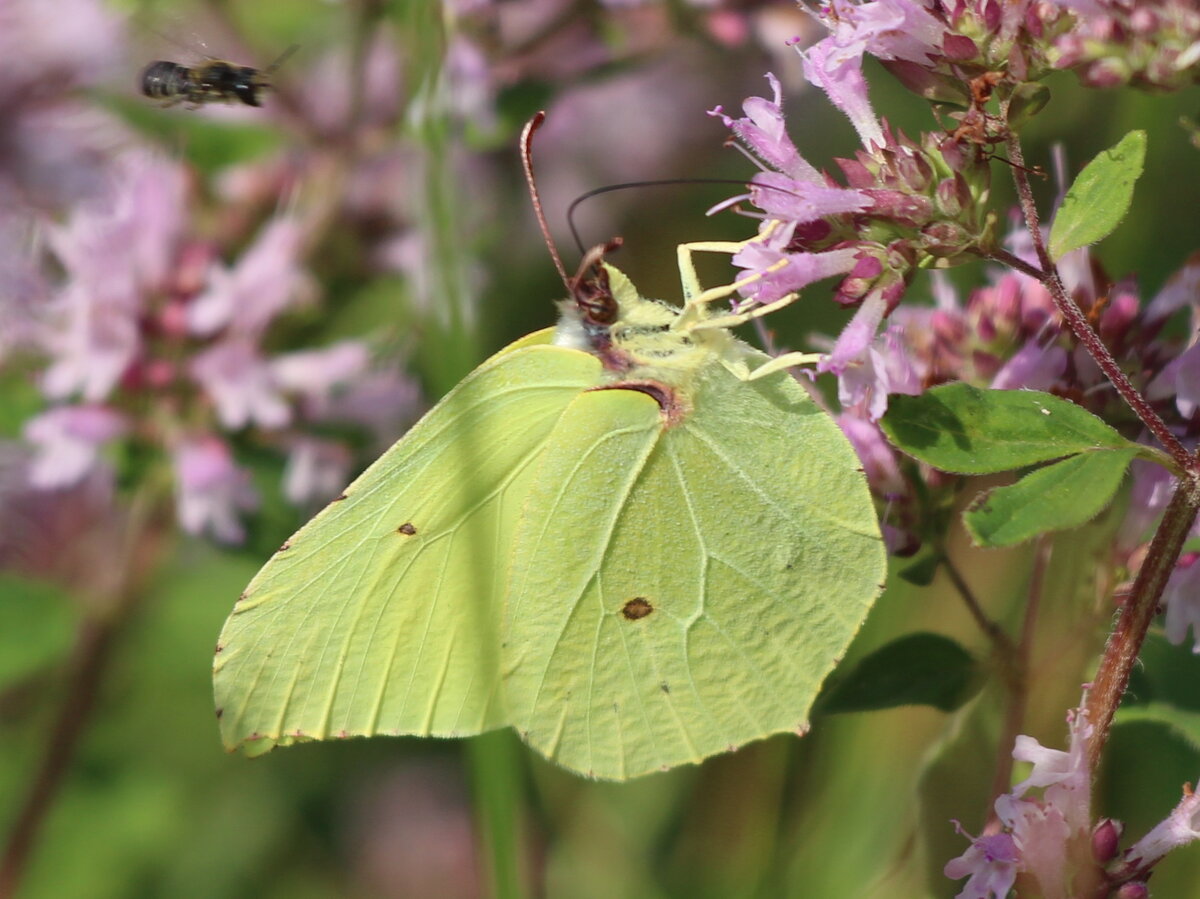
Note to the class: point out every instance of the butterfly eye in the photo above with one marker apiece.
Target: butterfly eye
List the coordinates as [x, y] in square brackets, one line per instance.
[595, 299]
[590, 288]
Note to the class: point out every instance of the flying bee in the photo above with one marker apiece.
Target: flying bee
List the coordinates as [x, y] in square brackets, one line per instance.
[213, 81]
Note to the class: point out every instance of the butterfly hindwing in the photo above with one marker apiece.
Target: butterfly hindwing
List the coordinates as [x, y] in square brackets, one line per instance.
[675, 592]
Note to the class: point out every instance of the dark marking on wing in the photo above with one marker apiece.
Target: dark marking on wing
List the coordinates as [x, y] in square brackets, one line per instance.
[638, 607]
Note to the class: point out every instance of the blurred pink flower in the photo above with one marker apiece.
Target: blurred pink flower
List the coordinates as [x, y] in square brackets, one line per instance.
[68, 441]
[210, 490]
[314, 376]
[316, 470]
[265, 281]
[114, 250]
[1182, 601]
[327, 91]
[55, 148]
[241, 385]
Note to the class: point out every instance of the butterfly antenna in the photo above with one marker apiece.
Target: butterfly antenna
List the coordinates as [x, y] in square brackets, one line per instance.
[530, 129]
[664, 182]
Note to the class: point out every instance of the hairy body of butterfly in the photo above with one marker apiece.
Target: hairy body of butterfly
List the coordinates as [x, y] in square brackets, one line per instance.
[611, 536]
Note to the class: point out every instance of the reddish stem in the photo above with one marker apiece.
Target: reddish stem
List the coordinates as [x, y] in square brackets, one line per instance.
[1078, 322]
[1125, 642]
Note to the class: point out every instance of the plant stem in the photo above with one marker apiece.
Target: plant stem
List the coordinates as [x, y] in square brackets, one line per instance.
[88, 659]
[1125, 642]
[87, 666]
[494, 765]
[1078, 322]
[1000, 640]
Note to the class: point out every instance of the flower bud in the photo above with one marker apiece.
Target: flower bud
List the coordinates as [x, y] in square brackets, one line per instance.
[1135, 889]
[1106, 840]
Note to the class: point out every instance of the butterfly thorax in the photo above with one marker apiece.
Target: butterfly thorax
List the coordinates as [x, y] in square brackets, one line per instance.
[644, 342]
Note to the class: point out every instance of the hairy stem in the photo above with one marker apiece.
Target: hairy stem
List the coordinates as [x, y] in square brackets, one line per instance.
[1125, 642]
[1078, 322]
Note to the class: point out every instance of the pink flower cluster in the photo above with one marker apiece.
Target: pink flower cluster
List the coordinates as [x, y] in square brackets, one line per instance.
[1040, 837]
[151, 341]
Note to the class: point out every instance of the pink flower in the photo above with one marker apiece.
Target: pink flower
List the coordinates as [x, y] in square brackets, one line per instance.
[1033, 367]
[68, 441]
[876, 454]
[1064, 775]
[801, 269]
[315, 376]
[868, 377]
[762, 131]
[115, 251]
[991, 864]
[1042, 832]
[1182, 600]
[1179, 828]
[264, 282]
[1180, 378]
[241, 385]
[210, 490]
[316, 471]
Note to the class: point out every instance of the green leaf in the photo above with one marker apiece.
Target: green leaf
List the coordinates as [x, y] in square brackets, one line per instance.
[1060, 496]
[36, 626]
[917, 669]
[1184, 722]
[1100, 196]
[968, 430]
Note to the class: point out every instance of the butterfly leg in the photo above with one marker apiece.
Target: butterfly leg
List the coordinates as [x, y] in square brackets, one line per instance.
[696, 300]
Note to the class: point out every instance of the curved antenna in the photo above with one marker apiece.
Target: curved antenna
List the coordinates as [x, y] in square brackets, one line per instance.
[657, 183]
[527, 133]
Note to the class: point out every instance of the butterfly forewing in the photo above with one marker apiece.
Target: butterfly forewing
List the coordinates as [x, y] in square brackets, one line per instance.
[381, 615]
